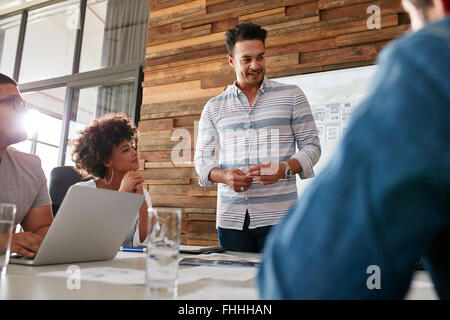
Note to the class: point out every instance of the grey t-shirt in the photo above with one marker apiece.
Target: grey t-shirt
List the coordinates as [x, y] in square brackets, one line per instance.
[22, 182]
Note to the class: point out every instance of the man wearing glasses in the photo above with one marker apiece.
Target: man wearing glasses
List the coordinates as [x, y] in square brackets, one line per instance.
[22, 180]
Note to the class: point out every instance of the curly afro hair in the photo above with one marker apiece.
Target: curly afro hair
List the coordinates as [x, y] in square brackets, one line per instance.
[95, 143]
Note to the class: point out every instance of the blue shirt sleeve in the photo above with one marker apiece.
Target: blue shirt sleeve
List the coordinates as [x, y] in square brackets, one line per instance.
[383, 197]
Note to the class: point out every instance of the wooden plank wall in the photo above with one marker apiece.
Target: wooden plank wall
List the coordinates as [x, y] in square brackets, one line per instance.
[186, 66]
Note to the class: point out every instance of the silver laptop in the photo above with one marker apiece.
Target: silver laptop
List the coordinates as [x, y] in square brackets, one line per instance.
[91, 224]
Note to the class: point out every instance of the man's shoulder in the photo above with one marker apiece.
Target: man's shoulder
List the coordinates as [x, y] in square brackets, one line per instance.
[432, 40]
[225, 95]
[277, 85]
[422, 57]
[27, 165]
[437, 31]
[281, 89]
[23, 157]
[219, 101]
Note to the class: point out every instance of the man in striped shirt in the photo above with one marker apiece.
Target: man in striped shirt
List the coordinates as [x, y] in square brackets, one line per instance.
[256, 124]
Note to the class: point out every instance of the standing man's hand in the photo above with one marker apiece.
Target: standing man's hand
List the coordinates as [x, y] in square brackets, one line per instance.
[237, 179]
[234, 178]
[267, 173]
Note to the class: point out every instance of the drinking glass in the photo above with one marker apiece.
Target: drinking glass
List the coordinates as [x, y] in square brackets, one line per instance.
[7, 215]
[163, 248]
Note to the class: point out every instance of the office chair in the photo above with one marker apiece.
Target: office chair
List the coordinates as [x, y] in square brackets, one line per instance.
[61, 178]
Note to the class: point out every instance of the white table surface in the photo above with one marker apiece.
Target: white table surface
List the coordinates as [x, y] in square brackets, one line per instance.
[195, 282]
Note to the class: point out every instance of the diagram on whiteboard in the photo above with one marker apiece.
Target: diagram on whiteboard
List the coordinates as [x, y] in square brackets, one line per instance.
[332, 120]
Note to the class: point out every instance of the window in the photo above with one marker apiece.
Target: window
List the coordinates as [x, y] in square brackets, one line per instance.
[94, 30]
[93, 102]
[49, 44]
[75, 60]
[114, 33]
[44, 123]
[9, 36]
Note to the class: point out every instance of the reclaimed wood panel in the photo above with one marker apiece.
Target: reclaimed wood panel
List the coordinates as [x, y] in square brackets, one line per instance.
[183, 201]
[186, 66]
[360, 10]
[237, 11]
[177, 12]
[182, 189]
[160, 36]
[161, 4]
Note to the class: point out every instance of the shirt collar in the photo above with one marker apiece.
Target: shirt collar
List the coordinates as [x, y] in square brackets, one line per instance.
[261, 89]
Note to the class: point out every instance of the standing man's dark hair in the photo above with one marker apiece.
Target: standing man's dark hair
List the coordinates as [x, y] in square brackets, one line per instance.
[244, 31]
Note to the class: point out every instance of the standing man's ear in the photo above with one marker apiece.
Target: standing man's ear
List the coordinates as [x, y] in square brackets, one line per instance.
[231, 61]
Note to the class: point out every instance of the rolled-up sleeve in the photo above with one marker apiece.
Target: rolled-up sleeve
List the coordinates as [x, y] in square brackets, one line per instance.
[306, 135]
[205, 149]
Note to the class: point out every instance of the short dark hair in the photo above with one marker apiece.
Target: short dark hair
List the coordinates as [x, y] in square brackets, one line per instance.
[244, 31]
[95, 143]
[4, 79]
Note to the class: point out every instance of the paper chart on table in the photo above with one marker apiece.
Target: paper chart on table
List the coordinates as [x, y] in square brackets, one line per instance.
[219, 259]
[137, 277]
[218, 273]
[104, 274]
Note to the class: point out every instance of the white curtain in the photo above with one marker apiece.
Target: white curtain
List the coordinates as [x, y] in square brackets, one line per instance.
[117, 98]
[125, 32]
[124, 40]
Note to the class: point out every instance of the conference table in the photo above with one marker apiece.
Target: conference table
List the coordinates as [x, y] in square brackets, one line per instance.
[123, 278]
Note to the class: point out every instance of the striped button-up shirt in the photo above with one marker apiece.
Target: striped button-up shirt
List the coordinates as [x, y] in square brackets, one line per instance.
[279, 119]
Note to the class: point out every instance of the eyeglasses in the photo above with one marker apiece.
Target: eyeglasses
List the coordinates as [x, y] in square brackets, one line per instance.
[17, 103]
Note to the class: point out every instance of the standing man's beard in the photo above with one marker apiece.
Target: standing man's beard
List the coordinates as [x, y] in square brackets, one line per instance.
[254, 77]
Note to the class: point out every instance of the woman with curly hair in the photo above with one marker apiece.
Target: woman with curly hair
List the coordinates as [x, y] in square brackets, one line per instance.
[105, 151]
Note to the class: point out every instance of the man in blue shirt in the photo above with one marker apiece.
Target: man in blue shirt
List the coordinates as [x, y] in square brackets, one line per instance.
[384, 200]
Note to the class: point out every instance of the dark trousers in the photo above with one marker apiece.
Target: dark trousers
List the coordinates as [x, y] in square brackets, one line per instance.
[246, 240]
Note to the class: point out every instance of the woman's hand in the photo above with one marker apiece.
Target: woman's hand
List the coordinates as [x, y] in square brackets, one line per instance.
[143, 214]
[139, 188]
[131, 182]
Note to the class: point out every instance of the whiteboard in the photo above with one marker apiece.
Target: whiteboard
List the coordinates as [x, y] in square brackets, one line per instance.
[333, 96]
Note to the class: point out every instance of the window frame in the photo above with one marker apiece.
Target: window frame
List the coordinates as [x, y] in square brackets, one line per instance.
[125, 73]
